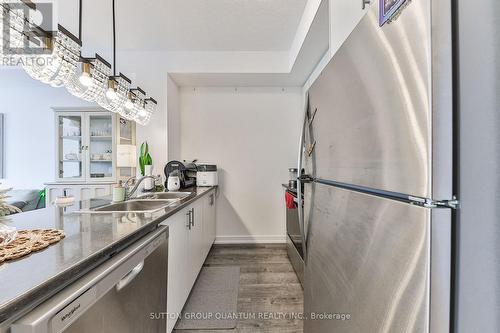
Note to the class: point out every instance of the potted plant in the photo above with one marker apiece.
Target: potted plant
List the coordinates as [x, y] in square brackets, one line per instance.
[146, 165]
[145, 160]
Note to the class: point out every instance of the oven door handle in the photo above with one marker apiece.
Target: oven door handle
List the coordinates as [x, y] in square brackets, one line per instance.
[300, 203]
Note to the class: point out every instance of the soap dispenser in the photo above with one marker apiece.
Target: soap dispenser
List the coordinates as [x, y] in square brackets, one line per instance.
[119, 192]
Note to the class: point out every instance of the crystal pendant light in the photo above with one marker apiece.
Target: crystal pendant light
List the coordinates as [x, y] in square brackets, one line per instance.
[90, 81]
[144, 115]
[12, 36]
[4, 12]
[134, 103]
[60, 65]
[118, 89]
[116, 94]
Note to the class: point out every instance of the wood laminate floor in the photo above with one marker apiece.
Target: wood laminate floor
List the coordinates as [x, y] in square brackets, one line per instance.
[270, 294]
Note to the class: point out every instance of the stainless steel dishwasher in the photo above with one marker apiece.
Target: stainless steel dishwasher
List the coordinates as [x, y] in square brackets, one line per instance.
[128, 293]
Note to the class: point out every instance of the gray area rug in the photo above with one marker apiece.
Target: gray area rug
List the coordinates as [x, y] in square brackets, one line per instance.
[213, 300]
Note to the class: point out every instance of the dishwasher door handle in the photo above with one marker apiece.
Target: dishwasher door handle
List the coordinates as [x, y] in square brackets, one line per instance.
[130, 276]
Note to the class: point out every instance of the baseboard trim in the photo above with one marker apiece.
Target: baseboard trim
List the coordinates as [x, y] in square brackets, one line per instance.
[250, 240]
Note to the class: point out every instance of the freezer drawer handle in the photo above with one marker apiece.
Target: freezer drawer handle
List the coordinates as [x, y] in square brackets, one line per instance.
[130, 276]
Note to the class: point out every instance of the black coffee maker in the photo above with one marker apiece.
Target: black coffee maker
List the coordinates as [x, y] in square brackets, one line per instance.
[187, 172]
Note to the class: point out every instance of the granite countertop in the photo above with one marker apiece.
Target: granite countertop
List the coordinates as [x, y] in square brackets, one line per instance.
[90, 240]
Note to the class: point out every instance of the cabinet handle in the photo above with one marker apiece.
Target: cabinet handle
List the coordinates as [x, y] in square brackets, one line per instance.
[192, 216]
[212, 199]
[189, 219]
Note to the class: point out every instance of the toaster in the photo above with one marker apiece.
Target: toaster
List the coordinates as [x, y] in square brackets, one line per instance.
[207, 175]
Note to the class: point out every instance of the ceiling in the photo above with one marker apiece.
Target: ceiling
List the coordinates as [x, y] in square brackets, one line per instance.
[189, 25]
[313, 48]
[208, 42]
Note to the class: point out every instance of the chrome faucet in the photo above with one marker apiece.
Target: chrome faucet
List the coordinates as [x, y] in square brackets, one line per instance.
[132, 180]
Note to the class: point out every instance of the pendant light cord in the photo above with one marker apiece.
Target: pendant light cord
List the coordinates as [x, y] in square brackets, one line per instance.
[80, 20]
[114, 39]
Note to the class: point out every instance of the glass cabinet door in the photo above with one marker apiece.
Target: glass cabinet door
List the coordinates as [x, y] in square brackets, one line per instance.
[70, 145]
[100, 151]
[126, 137]
[127, 129]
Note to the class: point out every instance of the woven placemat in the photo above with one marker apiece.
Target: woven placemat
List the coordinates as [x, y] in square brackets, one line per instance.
[28, 241]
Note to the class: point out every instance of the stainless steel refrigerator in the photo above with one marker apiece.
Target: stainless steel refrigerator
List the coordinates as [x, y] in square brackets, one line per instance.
[376, 161]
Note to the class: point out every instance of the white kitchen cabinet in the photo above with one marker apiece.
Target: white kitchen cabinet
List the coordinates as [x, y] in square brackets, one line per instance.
[196, 241]
[188, 248]
[78, 191]
[178, 265]
[344, 16]
[209, 228]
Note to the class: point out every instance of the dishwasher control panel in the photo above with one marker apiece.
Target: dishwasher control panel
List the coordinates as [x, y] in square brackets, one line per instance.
[73, 310]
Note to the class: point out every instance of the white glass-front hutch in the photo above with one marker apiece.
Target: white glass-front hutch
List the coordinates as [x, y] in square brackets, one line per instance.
[86, 144]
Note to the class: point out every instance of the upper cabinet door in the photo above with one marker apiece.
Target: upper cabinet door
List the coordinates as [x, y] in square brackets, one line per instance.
[70, 147]
[100, 152]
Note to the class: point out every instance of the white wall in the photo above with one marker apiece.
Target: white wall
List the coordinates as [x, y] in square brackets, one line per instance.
[173, 120]
[148, 70]
[29, 128]
[252, 135]
[477, 276]
[29, 122]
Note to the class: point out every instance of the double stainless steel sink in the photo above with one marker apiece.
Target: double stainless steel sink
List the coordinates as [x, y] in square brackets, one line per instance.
[147, 203]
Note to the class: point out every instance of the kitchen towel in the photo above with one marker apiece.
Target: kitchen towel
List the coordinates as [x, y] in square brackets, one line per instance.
[290, 201]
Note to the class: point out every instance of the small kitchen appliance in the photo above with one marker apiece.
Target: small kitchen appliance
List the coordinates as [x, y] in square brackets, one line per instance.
[173, 181]
[187, 173]
[207, 175]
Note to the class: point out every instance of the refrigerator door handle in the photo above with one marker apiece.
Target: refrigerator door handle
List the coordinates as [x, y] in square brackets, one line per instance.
[306, 179]
[300, 202]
